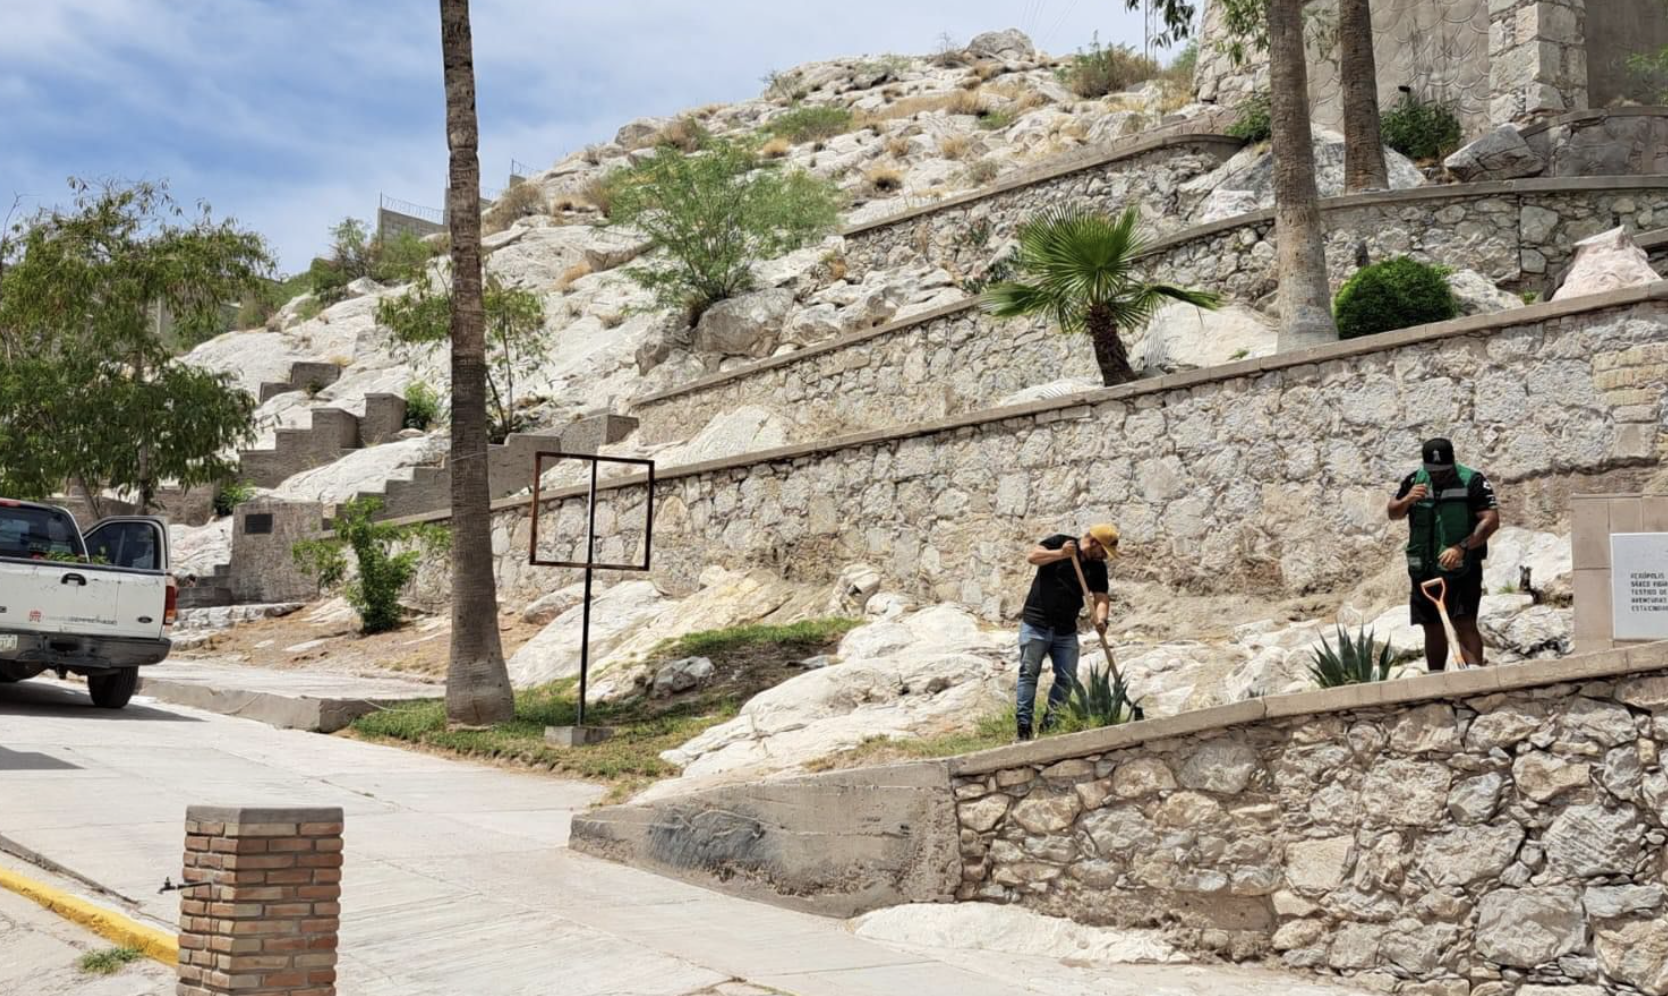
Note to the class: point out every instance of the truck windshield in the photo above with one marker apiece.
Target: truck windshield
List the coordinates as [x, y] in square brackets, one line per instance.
[37, 533]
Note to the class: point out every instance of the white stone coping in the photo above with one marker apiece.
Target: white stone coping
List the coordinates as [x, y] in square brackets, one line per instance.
[1069, 404]
[1593, 115]
[1074, 164]
[1466, 683]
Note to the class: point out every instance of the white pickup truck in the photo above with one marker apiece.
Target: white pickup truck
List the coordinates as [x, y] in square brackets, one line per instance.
[98, 605]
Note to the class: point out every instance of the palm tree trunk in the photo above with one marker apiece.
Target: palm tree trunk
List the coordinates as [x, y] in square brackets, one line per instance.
[1364, 167]
[1110, 354]
[477, 682]
[1305, 298]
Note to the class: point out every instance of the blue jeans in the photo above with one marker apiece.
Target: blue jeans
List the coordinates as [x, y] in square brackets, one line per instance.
[1060, 647]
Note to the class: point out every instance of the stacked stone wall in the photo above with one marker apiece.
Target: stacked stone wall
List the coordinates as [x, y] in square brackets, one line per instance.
[1265, 472]
[1475, 834]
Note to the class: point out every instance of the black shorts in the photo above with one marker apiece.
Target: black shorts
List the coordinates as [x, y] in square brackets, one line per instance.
[1464, 596]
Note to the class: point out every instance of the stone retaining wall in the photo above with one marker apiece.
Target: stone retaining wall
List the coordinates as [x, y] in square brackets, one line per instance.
[963, 233]
[1484, 832]
[1615, 141]
[954, 360]
[1518, 233]
[1270, 472]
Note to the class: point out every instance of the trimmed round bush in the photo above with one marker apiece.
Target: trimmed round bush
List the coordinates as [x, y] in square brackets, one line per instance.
[1395, 294]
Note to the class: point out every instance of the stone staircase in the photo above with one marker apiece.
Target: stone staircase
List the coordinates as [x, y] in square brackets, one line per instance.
[307, 375]
[208, 592]
[331, 433]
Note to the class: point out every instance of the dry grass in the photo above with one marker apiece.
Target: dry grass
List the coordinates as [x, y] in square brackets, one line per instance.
[599, 193]
[1177, 94]
[776, 148]
[967, 102]
[898, 147]
[572, 274]
[909, 107]
[983, 172]
[611, 319]
[684, 134]
[987, 69]
[518, 201]
[884, 179]
[955, 146]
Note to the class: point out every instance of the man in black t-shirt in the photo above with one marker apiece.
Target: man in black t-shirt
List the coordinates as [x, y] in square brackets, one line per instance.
[1048, 624]
[1451, 511]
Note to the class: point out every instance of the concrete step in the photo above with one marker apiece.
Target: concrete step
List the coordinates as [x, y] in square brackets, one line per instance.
[289, 700]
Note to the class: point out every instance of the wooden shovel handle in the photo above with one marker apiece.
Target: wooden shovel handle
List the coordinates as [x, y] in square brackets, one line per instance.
[1088, 597]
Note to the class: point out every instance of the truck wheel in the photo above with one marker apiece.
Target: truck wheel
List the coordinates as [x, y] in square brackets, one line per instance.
[111, 691]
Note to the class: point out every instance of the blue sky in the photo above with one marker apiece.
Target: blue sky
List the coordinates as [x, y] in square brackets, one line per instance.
[291, 114]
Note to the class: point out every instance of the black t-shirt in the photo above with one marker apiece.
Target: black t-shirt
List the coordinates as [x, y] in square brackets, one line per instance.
[1056, 598]
[1479, 495]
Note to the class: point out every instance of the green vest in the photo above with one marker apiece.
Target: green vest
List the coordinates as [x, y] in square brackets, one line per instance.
[1437, 522]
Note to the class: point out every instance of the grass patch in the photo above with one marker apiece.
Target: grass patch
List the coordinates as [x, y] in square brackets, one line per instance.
[994, 729]
[810, 123]
[718, 642]
[109, 961]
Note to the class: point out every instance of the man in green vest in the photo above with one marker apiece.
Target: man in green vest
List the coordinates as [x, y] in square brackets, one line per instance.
[1451, 512]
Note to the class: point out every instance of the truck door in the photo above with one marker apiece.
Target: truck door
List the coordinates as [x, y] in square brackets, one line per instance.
[135, 552]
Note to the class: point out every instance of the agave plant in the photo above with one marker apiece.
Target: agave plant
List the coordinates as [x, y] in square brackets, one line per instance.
[1354, 662]
[1103, 701]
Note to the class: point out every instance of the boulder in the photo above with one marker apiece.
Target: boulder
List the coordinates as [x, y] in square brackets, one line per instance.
[1529, 927]
[195, 550]
[1502, 154]
[1052, 389]
[1477, 294]
[749, 325]
[616, 614]
[853, 588]
[747, 429]
[547, 607]
[681, 675]
[1221, 203]
[634, 134]
[1010, 43]
[1608, 261]
[1182, 337]
[1251, 171]
[1537, 631]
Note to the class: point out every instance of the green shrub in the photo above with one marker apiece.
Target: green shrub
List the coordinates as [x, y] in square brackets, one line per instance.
[1395, 294]
[1103, 69]
[715, 214]
[382, 573]
[231, 494]
[400, 258]
[108, 961]
[991, 120]
[1353, 662]
[1649, 72]
[422, 405]
[1103, 700]
[1419, 130]
[1252, 123]
[810, 123]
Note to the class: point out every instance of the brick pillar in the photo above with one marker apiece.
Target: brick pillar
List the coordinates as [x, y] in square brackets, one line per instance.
[263, 921]
[1537, 58]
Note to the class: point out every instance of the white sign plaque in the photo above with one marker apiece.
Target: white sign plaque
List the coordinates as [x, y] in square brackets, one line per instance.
[1639, 585]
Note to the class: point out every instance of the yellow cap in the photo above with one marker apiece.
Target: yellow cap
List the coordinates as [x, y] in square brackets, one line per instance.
[1106, 534]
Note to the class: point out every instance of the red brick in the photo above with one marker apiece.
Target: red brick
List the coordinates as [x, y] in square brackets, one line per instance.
[195, 875]
[214, 860]
[194, 941]
[194, 843]
[328, 844]
[243, 981]
[264, 963]
[318, 860]
[325, 976]
[279, 944]
[217, 980]
[289, 909]
[321, 991]
[206, 829]
[252, 862]
[193, 907]
[328, 924]
[247, 927]
[277, 980]
[285, 844]
[325, 892]
[245, 876]
[325, 875]
[322, 959]
[259, 894]
[325, 942]
[290, 876]
[190, 973]
[327, 909]
[320, 829]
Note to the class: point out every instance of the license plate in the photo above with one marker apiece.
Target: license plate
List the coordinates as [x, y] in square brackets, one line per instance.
[8, 641]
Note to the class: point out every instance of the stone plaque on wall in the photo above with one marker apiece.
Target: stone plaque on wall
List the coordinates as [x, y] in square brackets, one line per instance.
[1639, 585]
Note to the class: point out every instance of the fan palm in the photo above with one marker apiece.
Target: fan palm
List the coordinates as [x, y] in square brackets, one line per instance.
[1078, 266]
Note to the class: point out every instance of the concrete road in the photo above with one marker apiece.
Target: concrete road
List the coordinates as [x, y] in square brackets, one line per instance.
[457, 877]
[39, 952]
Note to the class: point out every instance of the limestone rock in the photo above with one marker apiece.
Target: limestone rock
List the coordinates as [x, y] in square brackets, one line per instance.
[615, 614]
[1542, 776]
[1637, 953]
[1315, 867]
[1590, 840]
[1221, 766]
[983, 814]
[853, 588]
[1504, 726]
[1426, 728]
[1223, 203]
[1251, 170]
[1535, 632]
[547, 607]
[1469, 854]
[749, 325]
[1141, 777]
[1610, 902]
[746, 429]
[1008, 931]
[1182, 337]
[1047, 813]
[1606, 262]
[1407, 792]
[1116, 831]
[1502, 154]
[1529, 927]
[1475, 799]
[1605, 723]
[1477, 295]
[681, 675]
[1010, 43]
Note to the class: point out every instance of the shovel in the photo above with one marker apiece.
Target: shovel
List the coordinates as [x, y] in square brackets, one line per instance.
[1089, 599]
[1440, 600]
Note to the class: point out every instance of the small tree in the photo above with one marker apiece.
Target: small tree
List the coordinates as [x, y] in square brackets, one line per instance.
[90, 391]
[1078, 267]
[382, 570]
[715, 213]
[515, 336]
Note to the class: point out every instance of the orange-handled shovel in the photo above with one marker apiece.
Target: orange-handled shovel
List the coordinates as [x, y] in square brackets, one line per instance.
[1440, 600]
[1083, 582]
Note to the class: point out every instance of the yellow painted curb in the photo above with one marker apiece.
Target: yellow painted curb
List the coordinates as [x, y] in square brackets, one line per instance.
[153, 941]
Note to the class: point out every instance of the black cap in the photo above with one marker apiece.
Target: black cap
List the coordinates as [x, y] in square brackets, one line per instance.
[1438, 454]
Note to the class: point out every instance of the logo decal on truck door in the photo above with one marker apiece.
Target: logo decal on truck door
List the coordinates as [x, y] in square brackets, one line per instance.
[34, 615]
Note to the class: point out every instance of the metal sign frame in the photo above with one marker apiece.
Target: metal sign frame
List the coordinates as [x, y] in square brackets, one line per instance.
[589, 565]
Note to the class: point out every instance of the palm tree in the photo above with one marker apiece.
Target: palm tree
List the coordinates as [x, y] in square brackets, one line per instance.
[1305, 297]
[1364, 167]
[477, 682]
[1078, 266]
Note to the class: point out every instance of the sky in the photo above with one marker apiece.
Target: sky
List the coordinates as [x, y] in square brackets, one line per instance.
[289, 115]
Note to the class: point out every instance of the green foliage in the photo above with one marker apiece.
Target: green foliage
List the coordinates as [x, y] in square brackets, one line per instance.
[1395, 294]
[706, 643]
[108, 961]
[231, 494]
[382, 570]
[715, 214]
[1103, 700]
[1421, 130]
[994, 120]
[400, 258]
[422, 405]
[515, 337]
[1182, 66]
[784, 87]
[1252, 122]
[1001, 269]
[810, 123]
[519, 200]
[1103, 69]
[1353, 662]
[354, 254]
[1649, 71]
[89, 391]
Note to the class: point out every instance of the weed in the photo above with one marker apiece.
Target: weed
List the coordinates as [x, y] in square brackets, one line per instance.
[810, 123]
[519, 201]
[109, 961]
[946, 54]
[684, 134]
[1530, 297]
[1103, 69]
[422, 405]
[599, 192]
[995, 120]
[569, 276]
[783, 87]
[1252, 122]
[309, 309]
[967, 102]
[884, 179]
[898, 147]
[954, 146]
[1420, 130]
[231, 494]
[716, 641]
[994, 729]
[1239, 354]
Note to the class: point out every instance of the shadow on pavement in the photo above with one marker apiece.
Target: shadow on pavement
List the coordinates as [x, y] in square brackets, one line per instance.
[38, 698]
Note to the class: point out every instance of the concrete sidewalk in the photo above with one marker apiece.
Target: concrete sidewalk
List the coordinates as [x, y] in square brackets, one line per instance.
[457, 877]
[318, 701]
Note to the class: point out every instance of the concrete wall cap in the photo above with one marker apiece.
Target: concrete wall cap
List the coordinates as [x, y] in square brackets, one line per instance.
[264, 814]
